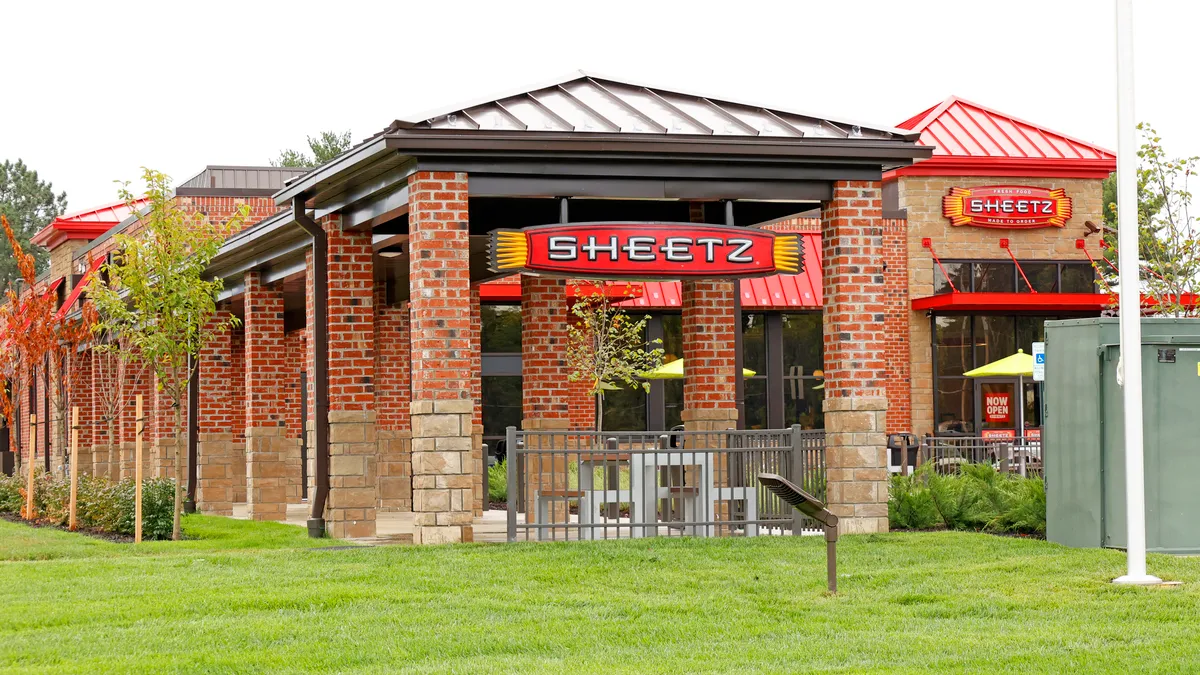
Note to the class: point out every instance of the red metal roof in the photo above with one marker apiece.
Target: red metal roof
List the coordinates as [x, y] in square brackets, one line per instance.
[87, 276]
[781, 291]
[86, 225]
[971, 139]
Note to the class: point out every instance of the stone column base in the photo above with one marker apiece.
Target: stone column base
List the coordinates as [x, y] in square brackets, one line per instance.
[710, 422]
[441, 460]
[100, 466]
[478, 471]
[163, 457]
[238, 461]
[295, 475]
[214, 471]
[394, 485]
[546, 472]
[350, 510]
[267, 450]
[856, 463]
[84, 458]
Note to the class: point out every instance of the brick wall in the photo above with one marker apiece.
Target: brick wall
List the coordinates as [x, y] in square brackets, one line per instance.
[544, 374]
[896, 312]
[351, 319]
[294, 352]
[265, 370]
[708, 345]
[855, 309]
[237, 382]
[393, 388]
[440, 287]
[216, 396]
[922, 196]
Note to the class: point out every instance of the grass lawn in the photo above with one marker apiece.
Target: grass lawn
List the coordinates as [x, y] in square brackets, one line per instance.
[247, 596]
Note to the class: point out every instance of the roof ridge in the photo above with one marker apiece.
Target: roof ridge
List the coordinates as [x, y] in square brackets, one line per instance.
[936, 111]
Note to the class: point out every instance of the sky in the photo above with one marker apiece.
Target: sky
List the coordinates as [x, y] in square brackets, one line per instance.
[96, 90]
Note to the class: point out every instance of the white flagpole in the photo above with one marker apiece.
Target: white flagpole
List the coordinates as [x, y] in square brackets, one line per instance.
[1130, 304]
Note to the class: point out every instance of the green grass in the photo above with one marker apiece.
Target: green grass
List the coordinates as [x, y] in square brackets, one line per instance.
[255, 597]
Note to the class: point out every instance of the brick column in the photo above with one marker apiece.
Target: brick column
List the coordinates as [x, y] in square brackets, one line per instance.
[393, 399]
[710, 362]
[237, 385]
[162, 444]
[81, 397]
[293, 413]
[268, 448]
[442, 408]
[545, 387]
[855, 361]
[99, 431]
[138, 380]
[215, 421]
[897, 352]
[350, 510]
[478, 461]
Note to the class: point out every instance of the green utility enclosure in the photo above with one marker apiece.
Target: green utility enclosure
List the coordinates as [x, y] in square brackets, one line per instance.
[1084, 427]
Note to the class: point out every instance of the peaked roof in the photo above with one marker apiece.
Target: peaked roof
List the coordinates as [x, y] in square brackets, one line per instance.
[587, 102]
[971, 139]
[87, 224]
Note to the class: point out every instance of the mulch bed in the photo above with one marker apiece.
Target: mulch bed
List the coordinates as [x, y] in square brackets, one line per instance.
[91, 532]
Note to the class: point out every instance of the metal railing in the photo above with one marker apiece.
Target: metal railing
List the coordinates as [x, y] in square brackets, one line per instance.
[1020, 455]
[566, 485]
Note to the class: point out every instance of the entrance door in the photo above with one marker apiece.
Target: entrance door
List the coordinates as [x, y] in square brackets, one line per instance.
[996, 404]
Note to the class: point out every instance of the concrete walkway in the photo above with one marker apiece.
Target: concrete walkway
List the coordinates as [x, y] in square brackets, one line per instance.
[397, 528]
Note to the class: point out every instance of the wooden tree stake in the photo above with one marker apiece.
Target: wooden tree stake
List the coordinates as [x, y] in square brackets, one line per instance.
[32, 463]
[137, 472]
[71, 524]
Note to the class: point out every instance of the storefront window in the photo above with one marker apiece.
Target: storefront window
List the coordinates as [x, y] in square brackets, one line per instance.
[673, 403]
[756, 402]
[501, 404]
[959, 273]
[995, 338]
[500, 328]
[625, 409]
[994, 277]
[754, 342]
[803, 344]
[955, 405]
[802, 402]
[1078, 278]
[952, 340]
[1042, 276]
[672, 337]
[1031, 329]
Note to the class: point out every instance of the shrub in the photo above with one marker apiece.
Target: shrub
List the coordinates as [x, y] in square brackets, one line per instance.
[977, 497]
[498, 482]
[100, 505]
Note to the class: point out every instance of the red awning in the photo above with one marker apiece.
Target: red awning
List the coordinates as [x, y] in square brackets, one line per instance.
[781, 291]
[1021, 302]
[87, 276]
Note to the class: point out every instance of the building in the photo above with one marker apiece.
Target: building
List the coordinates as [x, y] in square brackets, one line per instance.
[378, 352]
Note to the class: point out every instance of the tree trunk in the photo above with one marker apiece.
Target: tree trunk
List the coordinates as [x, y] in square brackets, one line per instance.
[114, 455]
[599, 415]
[175, 525]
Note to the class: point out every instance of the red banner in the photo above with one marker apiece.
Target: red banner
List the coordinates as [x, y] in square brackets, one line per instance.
[645, 251]
[997, 406]
[1007, 206]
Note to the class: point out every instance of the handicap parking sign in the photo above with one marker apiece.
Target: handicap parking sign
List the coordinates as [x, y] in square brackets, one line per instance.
[1039, 361]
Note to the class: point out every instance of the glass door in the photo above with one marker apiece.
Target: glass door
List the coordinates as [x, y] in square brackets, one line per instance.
[996, 407]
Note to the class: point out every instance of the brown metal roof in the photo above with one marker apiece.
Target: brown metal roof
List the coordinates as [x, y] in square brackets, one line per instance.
[239, 180]
[583, 102]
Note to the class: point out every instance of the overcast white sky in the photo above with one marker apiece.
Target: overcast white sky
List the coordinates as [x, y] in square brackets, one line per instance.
[94, 90]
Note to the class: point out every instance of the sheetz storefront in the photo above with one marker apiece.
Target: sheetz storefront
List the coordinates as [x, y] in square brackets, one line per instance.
[405, 303]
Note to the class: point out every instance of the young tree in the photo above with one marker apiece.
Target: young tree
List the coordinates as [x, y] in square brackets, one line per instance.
[67, 374]
[157, 299]
[1168, 235]
[28, 324]
[30, 204]
[115, 367]
[324, 147]
[606, 348]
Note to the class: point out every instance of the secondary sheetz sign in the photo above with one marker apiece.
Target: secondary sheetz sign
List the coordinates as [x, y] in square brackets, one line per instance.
[645, 251]
[1007, 206]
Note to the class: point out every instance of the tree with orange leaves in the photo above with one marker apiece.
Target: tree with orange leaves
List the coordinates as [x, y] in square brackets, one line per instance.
[67, 373]
[29, 333]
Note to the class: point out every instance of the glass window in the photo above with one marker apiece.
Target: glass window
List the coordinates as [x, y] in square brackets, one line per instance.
[754, 342]
[952, 340]
[1078, 278]
[500, 328]
[625, 409]
[673, 402]
[500, 403]
[995, 338]
[955, 405]
[756, 402]
[994, 277]
[672, 337]
[803, 344]
[1031, 329]
[1033, 405]
[959, 273]
[1043, 277]
[802, 400]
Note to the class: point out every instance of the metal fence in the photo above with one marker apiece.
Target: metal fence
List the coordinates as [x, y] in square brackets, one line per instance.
[1020, 455]
[584, 485]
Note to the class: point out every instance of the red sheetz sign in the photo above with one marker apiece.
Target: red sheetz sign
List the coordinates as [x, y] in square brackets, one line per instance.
[645, 251]
[996, 407]
[1007, 206]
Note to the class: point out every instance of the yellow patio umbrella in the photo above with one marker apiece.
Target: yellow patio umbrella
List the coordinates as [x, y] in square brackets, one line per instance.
[673, 370]
[1019, 365]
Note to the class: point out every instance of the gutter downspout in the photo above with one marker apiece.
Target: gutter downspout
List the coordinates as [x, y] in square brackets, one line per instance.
[320, 338]
[193, 404]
